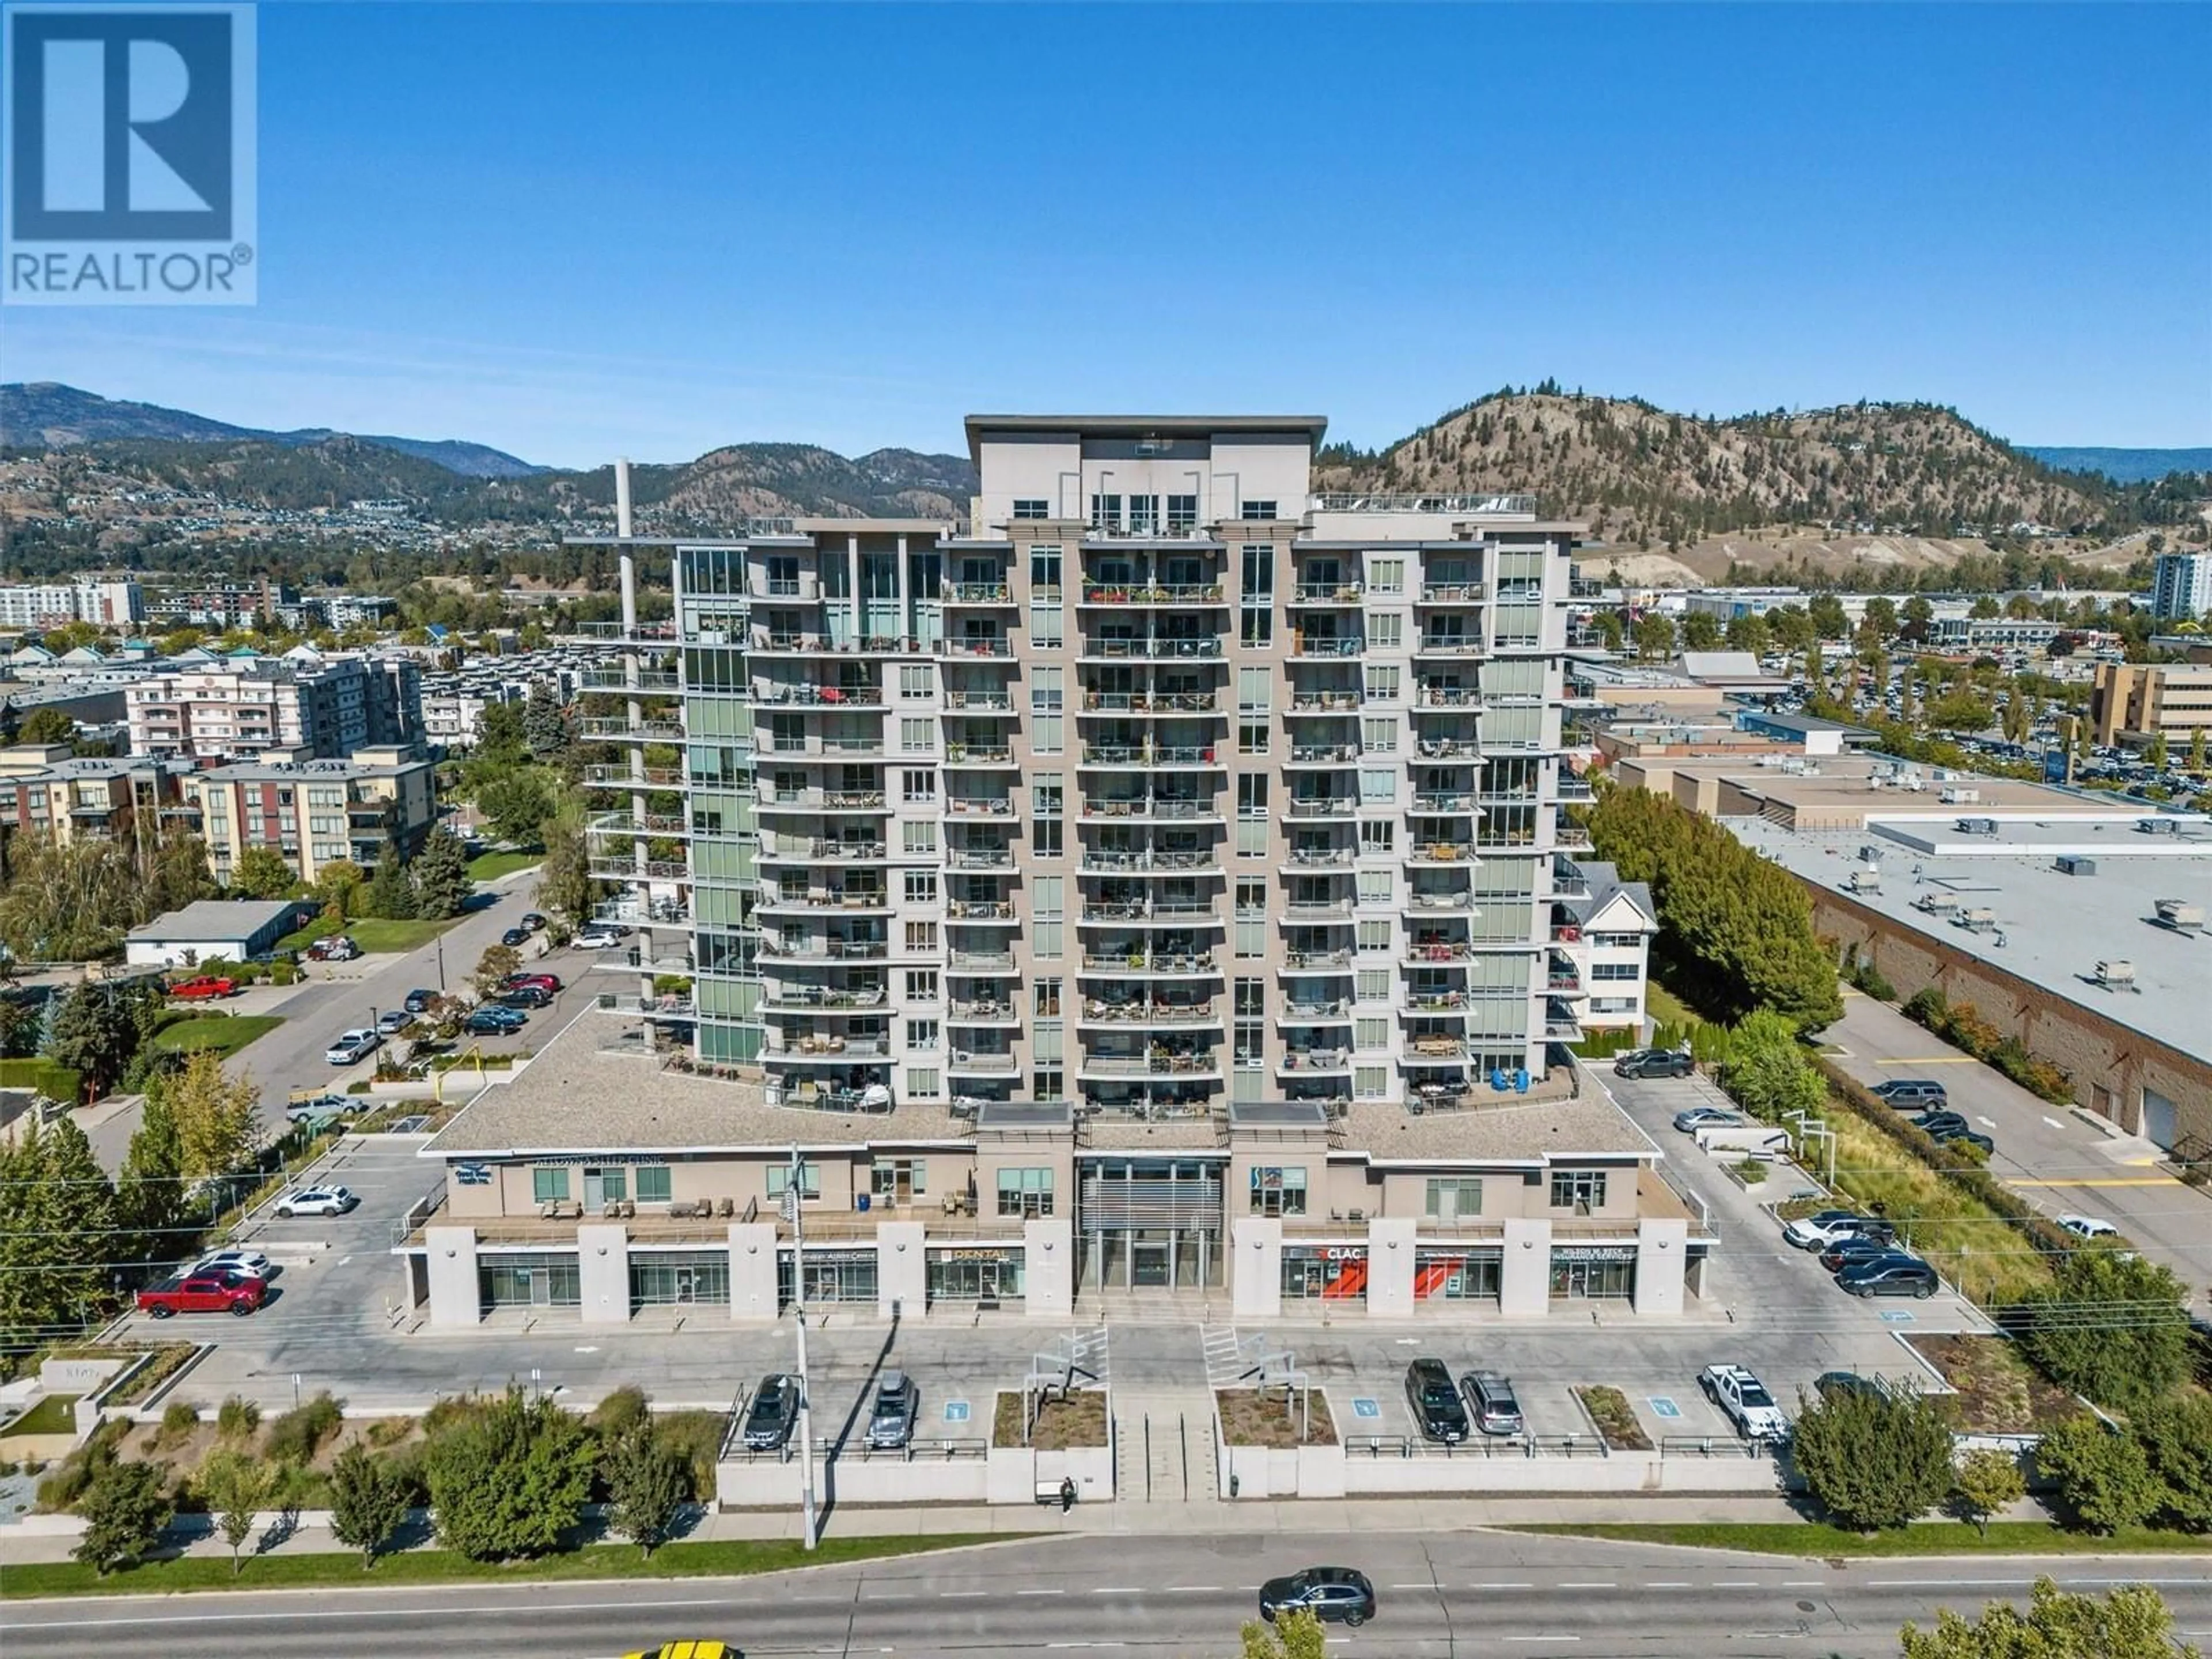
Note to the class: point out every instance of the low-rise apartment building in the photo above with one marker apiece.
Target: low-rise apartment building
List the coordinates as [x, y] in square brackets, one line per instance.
[208, 706]
[103, 601]
[602, 1181]
[1601, 932]
[46, 789]
[2135, 702]
[314, 810]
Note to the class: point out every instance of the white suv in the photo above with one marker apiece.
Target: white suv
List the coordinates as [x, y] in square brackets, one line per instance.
[316, 1200]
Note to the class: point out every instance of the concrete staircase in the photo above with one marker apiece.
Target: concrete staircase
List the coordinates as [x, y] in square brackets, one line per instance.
[1164, 1450]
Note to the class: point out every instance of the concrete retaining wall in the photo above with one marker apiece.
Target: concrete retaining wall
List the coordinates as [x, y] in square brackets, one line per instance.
[1001, 1475]
[1329, 1472]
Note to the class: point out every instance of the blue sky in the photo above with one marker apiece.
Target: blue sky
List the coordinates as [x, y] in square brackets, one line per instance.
[578, 230]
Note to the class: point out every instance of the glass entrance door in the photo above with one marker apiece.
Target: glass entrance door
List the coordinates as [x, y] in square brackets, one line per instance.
[1148, 1266]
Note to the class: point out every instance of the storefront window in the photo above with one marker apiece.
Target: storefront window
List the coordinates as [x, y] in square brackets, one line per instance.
[679, 1277]
[1593, 1272]
[547, 1281]
[832, 1276]
[1580, 1190]
[975, 1275]
[1457, 1275]
[1334, 1273]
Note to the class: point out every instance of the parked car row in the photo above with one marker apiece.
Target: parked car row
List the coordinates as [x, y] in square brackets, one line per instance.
[1862, 1253]
[1447, 1413]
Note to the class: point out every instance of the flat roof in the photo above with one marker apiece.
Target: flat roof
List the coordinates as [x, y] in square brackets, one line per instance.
[205, 919]
[2055, 927]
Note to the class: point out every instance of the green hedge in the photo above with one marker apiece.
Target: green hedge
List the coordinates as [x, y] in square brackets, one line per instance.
[42, 1077]
[1964, 1029]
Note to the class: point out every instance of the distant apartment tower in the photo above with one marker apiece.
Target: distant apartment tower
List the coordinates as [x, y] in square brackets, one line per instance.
[226, 707]
[104, 601]
[223, 605]
[1161, 784]
[2181, 585]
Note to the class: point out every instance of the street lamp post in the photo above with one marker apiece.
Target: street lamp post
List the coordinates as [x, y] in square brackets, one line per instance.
[793, 1199]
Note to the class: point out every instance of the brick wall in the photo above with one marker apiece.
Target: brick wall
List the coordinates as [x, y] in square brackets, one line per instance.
[2110, 1065]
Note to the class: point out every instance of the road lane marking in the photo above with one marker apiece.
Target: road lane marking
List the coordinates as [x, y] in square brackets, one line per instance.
[1191, 1588]
[1501, 1587]
[1419, 1586]
[1596, 1584]
[1801, 1583]
[1735, 1583]
[2052, 1122]
[960, 1595]
[1041, 1592]
[1120, 1589]
[1543, 1638]
[1669, 1583]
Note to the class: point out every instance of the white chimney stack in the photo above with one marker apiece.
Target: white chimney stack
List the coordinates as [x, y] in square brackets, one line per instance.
[621, 498]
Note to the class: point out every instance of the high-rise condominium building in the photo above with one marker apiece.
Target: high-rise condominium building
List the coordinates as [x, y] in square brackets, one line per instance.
[1162, 783]
[2181, 585]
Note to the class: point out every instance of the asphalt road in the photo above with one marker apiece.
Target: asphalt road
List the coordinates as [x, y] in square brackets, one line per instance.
[2048, 1154]
[1464, 1594]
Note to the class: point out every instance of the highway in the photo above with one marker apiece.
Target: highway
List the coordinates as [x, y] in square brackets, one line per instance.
[1457, 1595]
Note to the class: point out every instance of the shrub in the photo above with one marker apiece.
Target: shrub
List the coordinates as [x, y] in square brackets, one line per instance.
[179, 1421]
[74, 1475]
[2103, 1476]
[389, 1431]
[621, 1410]
[300, 1433]
[125, 1509]
[237, 1417]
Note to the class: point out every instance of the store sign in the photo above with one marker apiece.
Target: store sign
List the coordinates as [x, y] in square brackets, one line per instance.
[472, 1174]
[1000, 1256]
[820, 1258]
[1324, 1253]
[1593, 1253]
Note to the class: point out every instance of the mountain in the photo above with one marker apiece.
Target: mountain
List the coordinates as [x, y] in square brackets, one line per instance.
[1641, 474]
[46, 415]
[2124, 465]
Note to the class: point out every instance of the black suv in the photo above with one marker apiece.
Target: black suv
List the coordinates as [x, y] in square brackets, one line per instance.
[1654, 1062]
[776, 1409]
[1890, 1276]
[1436, 1409]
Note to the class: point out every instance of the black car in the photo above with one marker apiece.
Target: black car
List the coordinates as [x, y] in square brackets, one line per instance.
[419, 1001]
[1951, 1134]
[774, 1410]
[515, 937]
[1893, 1274]
[533, 921]
[1438, 1411]
[1859, 1247]
[1654, 1062]
[1829, 1385]
[1935, 1121]
[1333, 1594]
[527, 996]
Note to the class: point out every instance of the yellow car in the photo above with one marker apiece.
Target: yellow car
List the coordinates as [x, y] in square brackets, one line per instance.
[687, 1651]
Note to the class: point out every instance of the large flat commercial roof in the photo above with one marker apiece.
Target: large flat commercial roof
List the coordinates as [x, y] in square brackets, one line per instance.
[2051, 928]
[215, 918]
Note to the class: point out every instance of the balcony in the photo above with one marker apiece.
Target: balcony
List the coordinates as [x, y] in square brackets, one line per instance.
[823, 800]
[1584, 588]
[1571, 836]
[974, 755]
[1313, 594]
[1319, 909]
[1441, 852]
[995, 646]
[596, 730]
[1451, 594]
[1137, 1011]
[1437, 1002]
[1446, 696]
[980, 702]
[649, 681]
[1463, 749]
[1431, 953]
[1326, 703]
[1431, 902]
[980, 858]
[614, 869]
[982, 962]
[1299, 808]
[1309, 645]
[1457, 802]
[1161, 913]
[1151, 703]
[994, 593]
[1316, 962]
[1305, 859]
[985, 1011]
[1448, 645]
[1152, 593]
[1333, 1061]
[1115, 650]
[620, 777]
[980, 910]
[985, 1060]
[1324, 754]
[1099, 862]
[1164, 963]
[1576, 788]
[1434, 1047]
[624, 826]
[824, 950]
[804, 748]
[824, 900]
[778, 849]
[1146, 807]
[827, 1049]
[821, 999]
[1158, 1064]
[979, 806]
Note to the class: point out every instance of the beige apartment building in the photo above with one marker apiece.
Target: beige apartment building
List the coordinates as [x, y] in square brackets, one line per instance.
[1154, 884]
[2134, 703]
[314, 812]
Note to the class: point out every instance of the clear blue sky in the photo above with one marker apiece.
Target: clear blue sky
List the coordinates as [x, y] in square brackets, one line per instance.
[578, 230]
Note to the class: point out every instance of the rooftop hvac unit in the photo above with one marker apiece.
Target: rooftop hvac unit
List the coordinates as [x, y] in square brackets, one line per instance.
[2181, 916]
[1977, 917]
[1978, 826]
[2155, 826]
[1863, 881]
[1870, 854]
[2116, 976]
[1936, 904]
[2073, 864]
[1957, 797]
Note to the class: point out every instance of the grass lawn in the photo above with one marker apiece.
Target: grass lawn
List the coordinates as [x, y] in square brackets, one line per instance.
[1926, 1538]
[490, 866]
[303, 1570]
[55, 1414]
[372, 934]
[224, 1033]
[1667, 1009]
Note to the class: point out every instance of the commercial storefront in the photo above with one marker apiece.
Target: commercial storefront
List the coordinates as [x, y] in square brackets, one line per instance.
[1449, 1275]
[981, 1274]
[1325, 1272]
[832, 1275]
[678, 1277]
[1150, 1224]
[1593, 1272]
[535, 1278]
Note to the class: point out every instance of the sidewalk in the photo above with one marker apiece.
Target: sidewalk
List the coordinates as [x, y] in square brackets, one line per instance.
[1341, 1518]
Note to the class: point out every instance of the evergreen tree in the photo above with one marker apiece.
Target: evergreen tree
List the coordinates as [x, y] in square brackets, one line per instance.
[150, 1196]
[544, 723]
[565, 884]
[95, 1033]
[515, 804]
[442, 876]
[390, 893]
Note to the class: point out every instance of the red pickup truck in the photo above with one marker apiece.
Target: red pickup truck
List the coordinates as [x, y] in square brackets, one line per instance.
[207, 985]
[203, 1293]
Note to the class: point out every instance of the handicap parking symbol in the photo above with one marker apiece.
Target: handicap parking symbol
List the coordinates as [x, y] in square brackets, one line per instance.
[1896, 1317]
[1366, 1408]
[1662, 1405]
[955, 1411]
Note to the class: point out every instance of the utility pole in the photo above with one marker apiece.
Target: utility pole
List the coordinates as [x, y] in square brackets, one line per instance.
[794, 1201]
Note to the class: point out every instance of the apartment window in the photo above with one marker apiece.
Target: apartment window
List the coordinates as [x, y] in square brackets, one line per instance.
[1259, 560]
[919, 839]
[1143, 515]
[1253, 690]
[1025, 1193]
[1251, 936]
[1048, 734]
[1251, 998]
[1105, 511]
[1371, 1082]
[1047, 1084]
[1375, 886]
[1377, 788]
[1048, 691]
[1248, 1045]
[549, 1186]
[1258, 510]
[1183, 514]
[1251, 897]
[1580, 1190]
[1048, 623]
[917, 736]
[1251, 736]
[1048, 794]
[1049, 1042]
[1251, 795]
[1379, 737]
[922, 1083]
[1251, 838]
[1375, 935]
[1385, 630]
[1386, 575]
[1049, 897]
[1616, 941]
[778, 1180]
[1616, 970]
[918, 786]
[1046, 838]
[1032, 506]
[922, 985]
[1279, 1190]
[1255, 625]
[1044, 571]
[654, 1186]
[1372, 985]
[1371, 1033]
[921, 1034]
[921, 887]
[917, 679]
[922, 936]
[1452, 1198]
[1376, 835]
[1383, 681]
[1048, 999]
[893, 1179]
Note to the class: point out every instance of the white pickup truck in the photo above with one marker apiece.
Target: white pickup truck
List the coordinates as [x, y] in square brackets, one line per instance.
[1745, 1400]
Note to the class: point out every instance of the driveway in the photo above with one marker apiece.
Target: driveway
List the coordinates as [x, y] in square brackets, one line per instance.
[2057, 1158]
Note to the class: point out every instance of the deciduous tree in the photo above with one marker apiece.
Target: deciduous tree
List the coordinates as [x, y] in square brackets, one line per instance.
[648, 1481]
[510, 1478]
[493, 967]
[1988, 1482]
[369, 1502]
[2131, 1622]
[1874, 1460]
[123, 1510]
[235, 1486]
[262, 873]
[2113, 1328]
[516, 804]
[2104, 1475]
[218, 1126]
